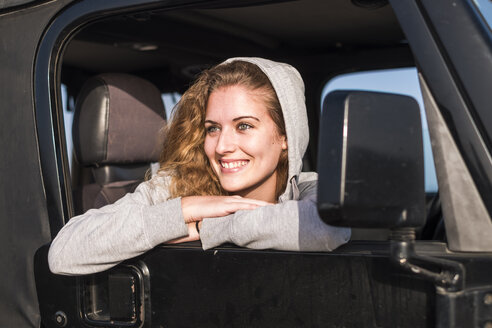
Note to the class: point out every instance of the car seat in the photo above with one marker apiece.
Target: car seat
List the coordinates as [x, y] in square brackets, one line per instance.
[115, 134]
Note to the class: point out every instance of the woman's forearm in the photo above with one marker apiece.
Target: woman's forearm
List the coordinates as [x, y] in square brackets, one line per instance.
[101, 238]
[293, 225]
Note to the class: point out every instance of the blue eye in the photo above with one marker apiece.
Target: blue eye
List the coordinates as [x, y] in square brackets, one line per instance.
[212, 129]
[244, 126]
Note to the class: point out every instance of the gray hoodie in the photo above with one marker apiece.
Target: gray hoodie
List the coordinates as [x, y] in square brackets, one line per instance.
[101, 238]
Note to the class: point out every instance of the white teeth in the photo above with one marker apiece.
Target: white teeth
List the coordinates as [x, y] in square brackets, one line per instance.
[233, 164]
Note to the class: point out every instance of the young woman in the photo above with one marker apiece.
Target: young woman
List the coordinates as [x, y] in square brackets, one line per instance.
[230, 171]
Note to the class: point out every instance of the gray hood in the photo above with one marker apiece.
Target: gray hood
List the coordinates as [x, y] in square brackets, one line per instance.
[289, 87]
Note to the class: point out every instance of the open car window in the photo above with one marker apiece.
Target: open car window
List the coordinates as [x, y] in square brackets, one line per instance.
[129, 44]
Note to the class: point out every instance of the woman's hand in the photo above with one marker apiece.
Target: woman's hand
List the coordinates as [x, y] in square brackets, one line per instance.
[195, 208]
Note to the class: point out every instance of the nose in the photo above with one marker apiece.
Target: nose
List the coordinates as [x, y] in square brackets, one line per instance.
[226, 142]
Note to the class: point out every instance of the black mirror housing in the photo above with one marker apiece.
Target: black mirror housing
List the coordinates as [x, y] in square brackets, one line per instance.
[370, 161]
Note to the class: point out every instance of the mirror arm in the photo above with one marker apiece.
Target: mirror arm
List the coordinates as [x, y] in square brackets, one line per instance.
[445, 274]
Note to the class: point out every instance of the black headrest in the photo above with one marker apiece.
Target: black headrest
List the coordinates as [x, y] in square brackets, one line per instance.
[117, 120]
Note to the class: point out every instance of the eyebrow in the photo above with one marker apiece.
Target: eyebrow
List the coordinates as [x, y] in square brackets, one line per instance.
[234, 119]
[243, 117]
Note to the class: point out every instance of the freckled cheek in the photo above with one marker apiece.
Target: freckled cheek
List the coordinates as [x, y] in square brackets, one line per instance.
[256, 146]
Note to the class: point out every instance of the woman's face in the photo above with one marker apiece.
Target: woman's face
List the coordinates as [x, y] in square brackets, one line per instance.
[242, 142]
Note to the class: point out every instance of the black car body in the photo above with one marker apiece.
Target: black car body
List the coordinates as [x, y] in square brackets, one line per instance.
[433, 281]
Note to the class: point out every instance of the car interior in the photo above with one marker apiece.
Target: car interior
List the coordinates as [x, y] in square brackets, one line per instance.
[116, 160]
[136, 58]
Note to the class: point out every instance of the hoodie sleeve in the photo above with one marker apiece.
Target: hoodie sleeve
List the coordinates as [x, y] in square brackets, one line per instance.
[292, 226]
[101, 238]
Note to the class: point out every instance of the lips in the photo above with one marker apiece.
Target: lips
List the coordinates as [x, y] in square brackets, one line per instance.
[229, 166]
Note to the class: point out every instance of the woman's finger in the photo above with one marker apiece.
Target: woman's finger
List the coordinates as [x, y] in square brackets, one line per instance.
[252, 201]
[242, 206]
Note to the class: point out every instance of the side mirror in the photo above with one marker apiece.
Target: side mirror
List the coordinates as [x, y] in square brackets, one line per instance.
[370, 161]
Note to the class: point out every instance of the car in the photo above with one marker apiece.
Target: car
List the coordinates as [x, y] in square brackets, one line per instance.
[416, 259]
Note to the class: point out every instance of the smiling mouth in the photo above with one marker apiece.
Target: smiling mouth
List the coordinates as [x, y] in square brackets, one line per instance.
[233, 165]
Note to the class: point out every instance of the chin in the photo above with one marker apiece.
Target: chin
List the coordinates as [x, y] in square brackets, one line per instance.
[233, 188]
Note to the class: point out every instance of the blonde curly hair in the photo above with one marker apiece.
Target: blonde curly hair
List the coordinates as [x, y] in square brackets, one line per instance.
[183, 156]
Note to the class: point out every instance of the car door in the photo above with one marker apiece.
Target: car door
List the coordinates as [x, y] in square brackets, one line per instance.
[356, 285]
